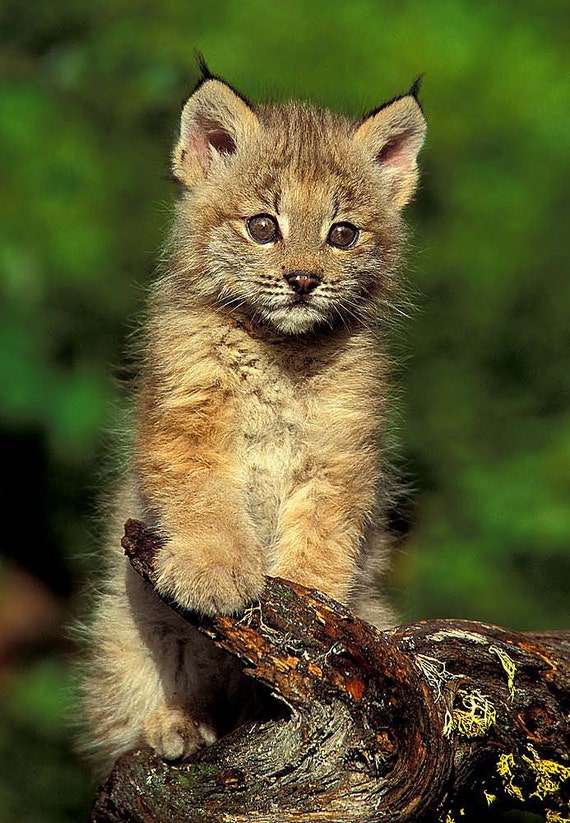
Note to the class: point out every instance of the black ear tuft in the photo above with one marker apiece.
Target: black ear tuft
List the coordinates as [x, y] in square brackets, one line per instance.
[205, 73]
[415, 88]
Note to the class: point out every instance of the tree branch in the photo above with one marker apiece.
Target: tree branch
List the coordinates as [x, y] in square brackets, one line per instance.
[437, 719]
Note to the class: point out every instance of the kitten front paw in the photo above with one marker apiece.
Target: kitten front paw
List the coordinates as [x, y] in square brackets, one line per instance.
[224, 583]
[173, 733]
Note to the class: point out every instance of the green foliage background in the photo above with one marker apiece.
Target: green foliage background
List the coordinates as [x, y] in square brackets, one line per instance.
[89, 99]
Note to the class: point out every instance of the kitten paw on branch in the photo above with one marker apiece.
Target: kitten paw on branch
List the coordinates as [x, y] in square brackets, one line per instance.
[439, 719]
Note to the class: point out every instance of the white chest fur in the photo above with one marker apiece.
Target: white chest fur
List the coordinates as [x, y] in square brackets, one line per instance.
[271, 410]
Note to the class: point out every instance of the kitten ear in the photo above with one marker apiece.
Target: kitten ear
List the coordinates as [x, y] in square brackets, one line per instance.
[215, 121]
[394, 134]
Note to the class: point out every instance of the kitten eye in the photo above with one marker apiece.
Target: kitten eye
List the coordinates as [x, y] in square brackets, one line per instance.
[263, 228]
[342, 235]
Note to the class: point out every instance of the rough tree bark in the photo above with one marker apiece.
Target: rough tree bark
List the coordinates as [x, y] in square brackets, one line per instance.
[437, 720]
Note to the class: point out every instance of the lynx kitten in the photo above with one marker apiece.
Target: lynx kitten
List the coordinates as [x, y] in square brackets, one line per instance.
[256, 446]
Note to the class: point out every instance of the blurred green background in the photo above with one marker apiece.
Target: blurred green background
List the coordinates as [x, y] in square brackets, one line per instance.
[89, 99]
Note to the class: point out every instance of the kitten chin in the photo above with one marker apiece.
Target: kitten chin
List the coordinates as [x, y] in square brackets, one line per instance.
[295, 320]
[292, 316]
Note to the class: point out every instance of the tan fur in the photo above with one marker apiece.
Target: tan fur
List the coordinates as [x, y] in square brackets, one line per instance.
[260, 417]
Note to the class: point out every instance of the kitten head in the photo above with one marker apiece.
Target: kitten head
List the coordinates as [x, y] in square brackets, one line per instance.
[290, 214]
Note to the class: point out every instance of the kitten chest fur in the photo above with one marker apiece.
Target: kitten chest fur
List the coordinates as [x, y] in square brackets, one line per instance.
[269, 413]
[286, 410]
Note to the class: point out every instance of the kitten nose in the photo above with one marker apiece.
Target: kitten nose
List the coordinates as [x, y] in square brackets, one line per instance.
[302, 282]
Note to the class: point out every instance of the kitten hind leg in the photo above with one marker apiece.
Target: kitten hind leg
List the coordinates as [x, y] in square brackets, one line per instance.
[150, 678]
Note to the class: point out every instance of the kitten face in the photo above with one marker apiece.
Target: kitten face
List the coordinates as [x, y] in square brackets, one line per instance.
[296, 227]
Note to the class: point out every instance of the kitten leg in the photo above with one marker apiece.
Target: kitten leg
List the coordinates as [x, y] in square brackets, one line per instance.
[318, 541]
[324, 539]
[211, 561]
[211, 567]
